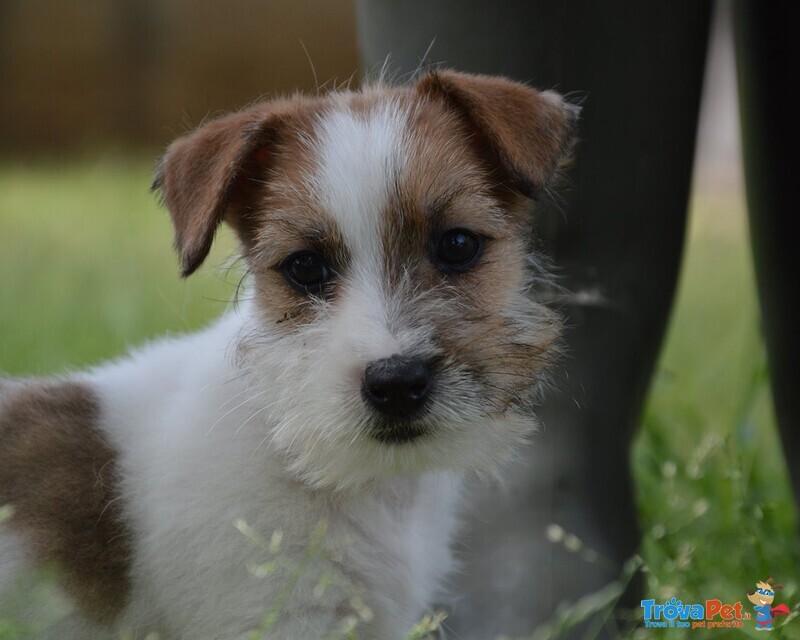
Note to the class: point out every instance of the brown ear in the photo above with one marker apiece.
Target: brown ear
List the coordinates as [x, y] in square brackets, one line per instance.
[199, 172]
[527, 134]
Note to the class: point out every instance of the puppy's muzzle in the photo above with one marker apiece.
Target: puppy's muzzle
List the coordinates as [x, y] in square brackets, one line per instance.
[397, 387]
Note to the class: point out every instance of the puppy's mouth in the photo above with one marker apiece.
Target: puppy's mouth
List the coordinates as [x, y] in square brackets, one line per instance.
[394, 431]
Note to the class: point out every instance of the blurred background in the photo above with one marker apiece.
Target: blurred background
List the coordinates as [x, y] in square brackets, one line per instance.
[132, 74]
[91, 91]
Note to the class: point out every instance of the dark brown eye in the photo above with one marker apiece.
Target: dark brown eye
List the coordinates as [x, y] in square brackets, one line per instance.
[307, 272]
[458, 250]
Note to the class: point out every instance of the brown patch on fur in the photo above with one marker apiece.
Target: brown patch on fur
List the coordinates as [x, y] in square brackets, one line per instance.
[282, 233]
[478, 147]
[204, 175]
[288, 218]
[485, 319]
[58, 472]
[212, 174]
[526, 133]
[504, 350]
[444, 185]
[249, 169]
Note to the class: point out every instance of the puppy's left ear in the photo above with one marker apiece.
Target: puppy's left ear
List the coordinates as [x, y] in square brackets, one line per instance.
[201, 174]
[527, 134]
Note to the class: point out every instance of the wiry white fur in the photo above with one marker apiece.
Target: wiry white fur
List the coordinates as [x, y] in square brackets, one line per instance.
[320, 420]
[191, 427]
[248, 421]
[360, 156]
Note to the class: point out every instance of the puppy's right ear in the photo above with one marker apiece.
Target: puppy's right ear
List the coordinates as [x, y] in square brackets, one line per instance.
[199, 174]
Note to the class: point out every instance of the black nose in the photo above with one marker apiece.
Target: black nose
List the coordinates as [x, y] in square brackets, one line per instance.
[397, 386]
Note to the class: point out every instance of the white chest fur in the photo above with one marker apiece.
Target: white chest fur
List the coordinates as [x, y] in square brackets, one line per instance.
[194, 461]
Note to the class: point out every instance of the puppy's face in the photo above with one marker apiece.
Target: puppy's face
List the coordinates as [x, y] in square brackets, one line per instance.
[387, 237]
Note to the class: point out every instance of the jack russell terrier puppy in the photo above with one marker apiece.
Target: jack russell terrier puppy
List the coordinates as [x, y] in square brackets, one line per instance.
[392, 342]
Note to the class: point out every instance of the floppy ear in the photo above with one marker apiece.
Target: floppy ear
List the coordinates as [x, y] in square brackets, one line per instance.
[200, 173]
[527, 134]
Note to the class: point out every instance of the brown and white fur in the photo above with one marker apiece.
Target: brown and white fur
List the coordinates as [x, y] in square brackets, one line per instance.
[128, 478]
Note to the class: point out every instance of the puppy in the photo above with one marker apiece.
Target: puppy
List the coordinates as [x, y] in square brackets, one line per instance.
[390, 342]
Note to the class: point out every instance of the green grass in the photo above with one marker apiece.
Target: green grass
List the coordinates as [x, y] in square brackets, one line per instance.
[87, 267]
[715, 505]
[87, 270]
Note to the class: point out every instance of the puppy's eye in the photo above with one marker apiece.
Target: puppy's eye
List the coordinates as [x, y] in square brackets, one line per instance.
[307, 272]
[458, 250]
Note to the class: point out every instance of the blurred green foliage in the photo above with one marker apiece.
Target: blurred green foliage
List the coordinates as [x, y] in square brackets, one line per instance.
[87, 268]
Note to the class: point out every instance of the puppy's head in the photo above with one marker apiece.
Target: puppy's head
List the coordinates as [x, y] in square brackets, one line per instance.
[386, 232]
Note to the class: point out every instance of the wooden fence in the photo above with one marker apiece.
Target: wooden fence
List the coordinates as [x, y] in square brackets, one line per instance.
[77, 74]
